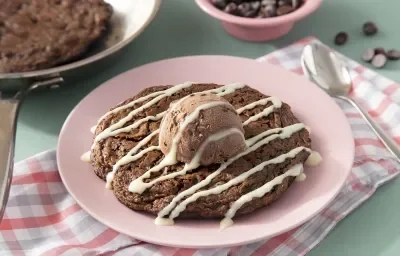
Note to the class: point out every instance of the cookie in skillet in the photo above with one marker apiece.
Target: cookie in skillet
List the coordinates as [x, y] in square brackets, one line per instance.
[40, 34]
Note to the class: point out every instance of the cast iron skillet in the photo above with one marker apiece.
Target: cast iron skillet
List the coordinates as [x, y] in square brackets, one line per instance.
[128, 21]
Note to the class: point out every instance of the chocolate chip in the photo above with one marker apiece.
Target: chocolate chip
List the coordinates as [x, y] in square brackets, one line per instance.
[368, 54]
[267, 11]
[6, 55]
[393, 54]
[268, 2]
[341, 38]
[9, 54]
[257, 8]
[293, 3]
[34, 20]
[296, 3]
[369, 28]
[231, 8]
[251, 14]
[220, 4]
[380, 50]
[255, 5]
[281, 2]
[243, 8]
[246, 10]
[284, 9]
[379, 61]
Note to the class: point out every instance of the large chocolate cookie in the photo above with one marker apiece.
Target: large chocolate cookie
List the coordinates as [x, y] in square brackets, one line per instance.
[39, 34]
[108, 151]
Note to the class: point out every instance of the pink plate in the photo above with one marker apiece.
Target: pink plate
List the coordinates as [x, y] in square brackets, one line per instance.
[331, 136]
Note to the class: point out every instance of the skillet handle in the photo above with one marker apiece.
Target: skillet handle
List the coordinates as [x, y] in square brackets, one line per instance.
[8, 114]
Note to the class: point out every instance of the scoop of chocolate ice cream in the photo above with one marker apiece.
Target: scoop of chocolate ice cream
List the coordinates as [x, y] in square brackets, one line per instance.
[206, 129]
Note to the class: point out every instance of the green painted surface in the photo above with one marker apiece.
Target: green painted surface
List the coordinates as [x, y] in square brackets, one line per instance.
[182, 29]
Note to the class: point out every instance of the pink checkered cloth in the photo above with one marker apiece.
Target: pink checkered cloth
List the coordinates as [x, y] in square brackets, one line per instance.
[43, 219]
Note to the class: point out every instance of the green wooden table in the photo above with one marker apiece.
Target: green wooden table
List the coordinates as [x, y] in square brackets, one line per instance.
[372, 229]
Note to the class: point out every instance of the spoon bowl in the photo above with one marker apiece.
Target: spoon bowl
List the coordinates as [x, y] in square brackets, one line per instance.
[324, 68]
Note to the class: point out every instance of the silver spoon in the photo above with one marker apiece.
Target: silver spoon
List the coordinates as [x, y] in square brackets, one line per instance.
[324, 68]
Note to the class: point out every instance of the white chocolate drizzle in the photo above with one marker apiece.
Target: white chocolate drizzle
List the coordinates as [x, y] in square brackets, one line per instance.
[221, 91]
[93, 129]
[176, 206]
[138, 186]
[164, 222]
[121, 122]
[248, 142]
[269, 135]
[130, 127]
[314, 159]
[264, 189]
[132, 103]
[276, 103]
[239, 179]
[130, 157]
[225, 223]
[86, 157]
[302, 177]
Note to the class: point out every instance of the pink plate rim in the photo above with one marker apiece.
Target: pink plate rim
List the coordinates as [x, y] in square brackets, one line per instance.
[63, 158]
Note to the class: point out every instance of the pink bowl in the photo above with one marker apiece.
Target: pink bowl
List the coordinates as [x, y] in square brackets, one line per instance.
[259, 30]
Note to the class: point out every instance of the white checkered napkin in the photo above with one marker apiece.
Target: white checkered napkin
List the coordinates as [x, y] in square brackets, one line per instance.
[43, 219]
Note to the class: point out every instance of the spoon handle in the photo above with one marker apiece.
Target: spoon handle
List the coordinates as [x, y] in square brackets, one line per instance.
[390, 144]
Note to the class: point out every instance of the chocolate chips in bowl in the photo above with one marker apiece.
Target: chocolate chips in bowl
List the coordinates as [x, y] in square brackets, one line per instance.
[258, 20]
[258, 8]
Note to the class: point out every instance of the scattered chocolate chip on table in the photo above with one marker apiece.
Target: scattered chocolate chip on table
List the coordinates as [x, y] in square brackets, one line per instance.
[368, 54]
[370, 28]
[393, 54]
[380, 50]
[379, 56]
[379, 61]
[341, 38]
